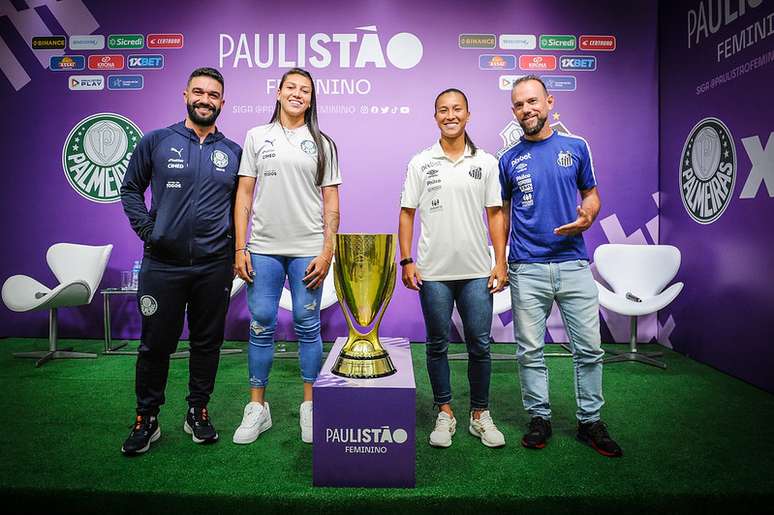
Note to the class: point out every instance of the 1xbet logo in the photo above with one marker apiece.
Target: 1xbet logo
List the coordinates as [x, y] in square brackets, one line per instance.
[146, 61]
[583, 63]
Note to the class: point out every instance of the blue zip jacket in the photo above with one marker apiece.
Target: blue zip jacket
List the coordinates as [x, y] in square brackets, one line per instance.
[193, 187]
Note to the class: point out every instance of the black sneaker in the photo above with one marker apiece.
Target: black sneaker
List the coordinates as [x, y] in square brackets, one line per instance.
[198, 425]
[538, 434]
[145, 431]
[595, 435]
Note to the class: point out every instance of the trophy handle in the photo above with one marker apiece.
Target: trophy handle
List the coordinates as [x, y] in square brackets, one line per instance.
[388, 296]
[340, 295]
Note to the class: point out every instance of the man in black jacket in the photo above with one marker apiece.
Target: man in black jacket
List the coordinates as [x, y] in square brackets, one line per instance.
[188, 239]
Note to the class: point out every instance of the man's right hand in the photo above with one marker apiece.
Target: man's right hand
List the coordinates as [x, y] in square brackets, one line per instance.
[243, 266]
[411, 278]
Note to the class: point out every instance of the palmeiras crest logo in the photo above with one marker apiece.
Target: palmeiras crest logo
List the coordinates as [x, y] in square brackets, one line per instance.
[96, 154]
[309, 147]
[148, 305]
[707, 170]
[219, 159]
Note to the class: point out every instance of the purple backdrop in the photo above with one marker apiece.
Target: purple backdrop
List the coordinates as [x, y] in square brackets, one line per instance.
[722, 314]
[378, 126]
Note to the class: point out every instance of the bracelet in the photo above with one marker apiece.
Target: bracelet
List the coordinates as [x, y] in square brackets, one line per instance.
[404, 262]
[326, 259]
[243, 249]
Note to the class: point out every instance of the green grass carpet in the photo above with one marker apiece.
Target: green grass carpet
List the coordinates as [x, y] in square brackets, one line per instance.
[694, 440]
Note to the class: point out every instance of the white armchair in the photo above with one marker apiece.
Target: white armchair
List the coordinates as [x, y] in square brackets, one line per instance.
[79, 269]
[637, 275]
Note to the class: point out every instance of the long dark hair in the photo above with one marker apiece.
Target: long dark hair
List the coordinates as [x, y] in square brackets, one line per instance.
[310, 118]
[468, 141]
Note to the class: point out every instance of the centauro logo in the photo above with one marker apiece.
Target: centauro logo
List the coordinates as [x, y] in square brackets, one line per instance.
[707, 170]
[96, 154]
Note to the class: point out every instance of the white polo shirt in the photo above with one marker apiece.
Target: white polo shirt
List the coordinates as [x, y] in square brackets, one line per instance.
[451, 197]
[287, 207]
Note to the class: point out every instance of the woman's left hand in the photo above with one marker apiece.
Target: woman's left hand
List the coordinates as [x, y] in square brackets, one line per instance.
[317, 271]
[498, 279]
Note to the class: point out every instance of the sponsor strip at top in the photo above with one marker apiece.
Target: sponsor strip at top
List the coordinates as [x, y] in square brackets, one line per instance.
[164, 40]
[48, 43]
[106, 62]
[581, 63]
[126, 41]
[557, 42]
[59, 63]
[537, 62]
[87, 42]
[496, 62]
[517, 41]
[477, 41]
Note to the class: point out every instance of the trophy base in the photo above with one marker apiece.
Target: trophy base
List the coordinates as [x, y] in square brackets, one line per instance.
[363, 367]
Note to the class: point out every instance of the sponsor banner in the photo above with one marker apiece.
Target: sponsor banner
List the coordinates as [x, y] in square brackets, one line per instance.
[518, 41]
[707, 170]
[598, 43]
[96, 153]
[557, 42]
[106, 62]
[64, 63]
[496, 62]
[559, 82]
[537, 62]
[86, 82]
[581, 63]
[505, 82]
[125, 82]
[126, 41]
[477, 41]
[87, 42]
[145, 62]
[48, 42]
[164, 40]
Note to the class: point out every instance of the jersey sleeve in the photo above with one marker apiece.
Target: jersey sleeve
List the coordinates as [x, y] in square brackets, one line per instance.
[247, 164]
[493, 194]
[332, 175]
[586, 178]
[136, 181]
[412, 187]
[505, 179]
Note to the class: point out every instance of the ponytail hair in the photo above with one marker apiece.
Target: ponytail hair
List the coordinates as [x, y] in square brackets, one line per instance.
[468, 140]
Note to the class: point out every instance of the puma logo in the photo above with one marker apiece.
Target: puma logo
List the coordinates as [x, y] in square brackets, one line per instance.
[179, 152]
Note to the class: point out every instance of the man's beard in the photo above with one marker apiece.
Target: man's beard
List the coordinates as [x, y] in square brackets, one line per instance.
[537, 128]
[204, 121]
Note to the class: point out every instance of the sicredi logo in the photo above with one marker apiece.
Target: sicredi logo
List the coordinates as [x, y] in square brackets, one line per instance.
[496, 62]
[96, 153]
[126, 41]
[87, 42]
[537, 62]
[518, 41]
[598, 43]
[559, 82]
[581, 63]
[707, 170]
[125, 81]
[86, 82]
[164, 40]
[476, 41]
[106, 62]
[403, 50]
[59, 63]
[557, 42]
[146, 61]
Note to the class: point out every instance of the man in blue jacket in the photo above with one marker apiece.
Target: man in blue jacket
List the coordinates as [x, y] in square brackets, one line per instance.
[541, 177]
[188, 239]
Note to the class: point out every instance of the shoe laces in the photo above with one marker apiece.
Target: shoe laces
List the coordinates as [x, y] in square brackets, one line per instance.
[598, 431]
[486, 422]
[443, 423]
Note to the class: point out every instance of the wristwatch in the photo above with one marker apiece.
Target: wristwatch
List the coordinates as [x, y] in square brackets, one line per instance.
[404, 262]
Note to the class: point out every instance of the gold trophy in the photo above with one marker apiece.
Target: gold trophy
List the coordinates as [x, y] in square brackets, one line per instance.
[364, 275]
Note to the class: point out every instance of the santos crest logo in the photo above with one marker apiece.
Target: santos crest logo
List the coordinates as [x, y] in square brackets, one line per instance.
[365, 48]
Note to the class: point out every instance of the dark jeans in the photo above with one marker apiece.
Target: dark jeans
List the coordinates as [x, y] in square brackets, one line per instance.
[474, 303]
[163, 294]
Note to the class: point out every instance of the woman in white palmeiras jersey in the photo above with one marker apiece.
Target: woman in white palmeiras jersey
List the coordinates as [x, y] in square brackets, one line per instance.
[289, 179]
[452, 184]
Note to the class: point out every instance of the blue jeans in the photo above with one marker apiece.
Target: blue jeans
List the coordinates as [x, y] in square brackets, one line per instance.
[534, 287]
[263, 297]
[474, 303]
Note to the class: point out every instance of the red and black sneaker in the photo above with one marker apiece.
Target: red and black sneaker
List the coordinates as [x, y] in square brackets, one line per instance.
[595, 435]
[538, 433]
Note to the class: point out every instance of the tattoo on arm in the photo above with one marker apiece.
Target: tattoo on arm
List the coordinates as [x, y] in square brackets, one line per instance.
[331, 227]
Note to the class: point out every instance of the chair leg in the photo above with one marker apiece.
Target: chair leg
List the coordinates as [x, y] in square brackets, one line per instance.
[634, 354]
[53, 352]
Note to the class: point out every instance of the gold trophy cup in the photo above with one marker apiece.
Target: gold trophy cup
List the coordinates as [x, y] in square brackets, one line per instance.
[364, 276]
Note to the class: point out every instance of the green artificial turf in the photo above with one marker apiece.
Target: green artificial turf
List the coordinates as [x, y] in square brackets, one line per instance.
[693, 438]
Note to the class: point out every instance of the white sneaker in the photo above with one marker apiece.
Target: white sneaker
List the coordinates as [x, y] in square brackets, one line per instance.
[256, 420]
[485, 429]
[305, 418]
[445, 427]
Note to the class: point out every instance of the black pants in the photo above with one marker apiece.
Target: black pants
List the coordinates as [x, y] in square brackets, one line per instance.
[163, 294]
